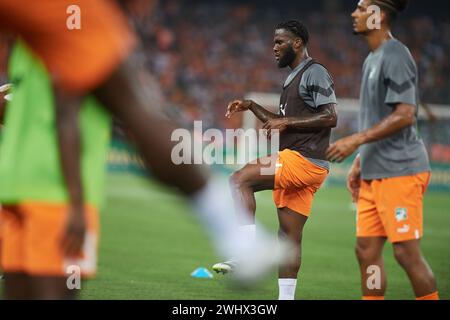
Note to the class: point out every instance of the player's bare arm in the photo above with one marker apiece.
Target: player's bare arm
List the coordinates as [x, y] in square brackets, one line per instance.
[243, 105]
[67, 108]
[402, 117]
[326, 117]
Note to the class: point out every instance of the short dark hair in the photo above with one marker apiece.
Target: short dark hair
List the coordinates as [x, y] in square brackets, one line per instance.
[392, 7]
[297, 28]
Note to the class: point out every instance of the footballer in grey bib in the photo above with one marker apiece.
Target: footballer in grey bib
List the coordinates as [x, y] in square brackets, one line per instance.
[390, 77]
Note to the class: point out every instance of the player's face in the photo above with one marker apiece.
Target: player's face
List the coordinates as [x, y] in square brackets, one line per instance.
[360, 17]
[283, 48]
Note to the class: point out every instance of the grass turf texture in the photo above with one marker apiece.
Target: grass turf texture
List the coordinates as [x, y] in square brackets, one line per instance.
[150, 244]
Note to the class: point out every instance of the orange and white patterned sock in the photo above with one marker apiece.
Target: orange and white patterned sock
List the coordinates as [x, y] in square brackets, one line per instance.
[432, 296]
[373, 297]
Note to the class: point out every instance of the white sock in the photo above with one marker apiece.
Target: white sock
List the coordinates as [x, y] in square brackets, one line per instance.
[215, 208]
[287, 289]
[247, 234]
[248, 231]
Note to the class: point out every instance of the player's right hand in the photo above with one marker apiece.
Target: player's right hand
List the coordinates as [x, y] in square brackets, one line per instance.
[237, 106]
[354, 180]
[74, 232]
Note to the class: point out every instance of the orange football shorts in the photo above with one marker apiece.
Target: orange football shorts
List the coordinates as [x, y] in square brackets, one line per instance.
[79, 60]
[296, 181]
[31, 240]
[392, 207]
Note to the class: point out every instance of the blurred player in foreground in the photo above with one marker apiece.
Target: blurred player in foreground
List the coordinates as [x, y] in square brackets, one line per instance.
[306, 116]
[94, 60]
[40, 245]
[5, 96]
[390, 175]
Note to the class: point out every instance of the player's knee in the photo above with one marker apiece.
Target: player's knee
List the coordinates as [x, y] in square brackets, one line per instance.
[359, 252]
[294, 237]
[404, 256]
[234, 178]
[238, 179]
[365, 253]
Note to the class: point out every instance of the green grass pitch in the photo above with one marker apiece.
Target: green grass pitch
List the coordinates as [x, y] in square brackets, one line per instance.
[150, 244]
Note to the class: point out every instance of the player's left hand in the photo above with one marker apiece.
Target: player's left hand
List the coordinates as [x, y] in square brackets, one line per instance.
[279, 124]
[342, 149]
